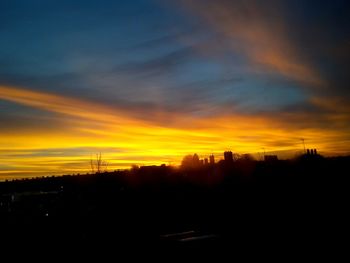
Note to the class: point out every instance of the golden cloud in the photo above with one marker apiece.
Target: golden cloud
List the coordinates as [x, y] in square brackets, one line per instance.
[259, 31]
[124, 139]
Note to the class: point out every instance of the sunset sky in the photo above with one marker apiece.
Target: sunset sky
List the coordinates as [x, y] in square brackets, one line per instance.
[149, 81]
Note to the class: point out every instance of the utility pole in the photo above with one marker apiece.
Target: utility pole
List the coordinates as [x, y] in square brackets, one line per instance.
[264, 151]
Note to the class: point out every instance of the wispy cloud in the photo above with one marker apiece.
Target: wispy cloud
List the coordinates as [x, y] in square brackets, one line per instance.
[62, 104]
[260, 31]
[208, 76]
[86, 128]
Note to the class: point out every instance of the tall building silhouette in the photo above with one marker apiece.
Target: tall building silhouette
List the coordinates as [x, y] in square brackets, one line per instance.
[205, 161]
[228, 156]
[211, 159]
[195, 160]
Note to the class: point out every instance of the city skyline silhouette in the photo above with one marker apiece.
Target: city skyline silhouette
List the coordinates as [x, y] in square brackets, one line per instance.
[197, 126]
[146, 83]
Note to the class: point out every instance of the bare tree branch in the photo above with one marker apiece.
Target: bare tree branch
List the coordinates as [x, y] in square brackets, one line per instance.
[98, 165]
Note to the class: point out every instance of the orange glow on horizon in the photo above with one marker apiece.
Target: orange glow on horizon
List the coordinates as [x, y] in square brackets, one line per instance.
[86, 128]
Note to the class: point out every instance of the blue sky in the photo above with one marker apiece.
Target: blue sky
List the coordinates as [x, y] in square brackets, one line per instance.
[155, 49]
[283, 61]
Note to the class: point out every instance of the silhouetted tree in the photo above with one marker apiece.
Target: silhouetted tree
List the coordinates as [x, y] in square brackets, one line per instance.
[190, 161]
[236, 156]
[98, 165]
[247, 157]
[187, 161]
[134, 168]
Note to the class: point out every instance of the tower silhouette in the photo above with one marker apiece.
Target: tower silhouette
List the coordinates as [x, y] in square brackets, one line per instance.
[211, 159]
[228, 156]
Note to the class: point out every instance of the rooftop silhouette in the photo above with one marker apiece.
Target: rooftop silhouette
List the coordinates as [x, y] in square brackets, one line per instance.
[200, 203]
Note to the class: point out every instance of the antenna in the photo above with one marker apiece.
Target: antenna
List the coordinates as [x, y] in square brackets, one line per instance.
[303, 140]
[263, 148]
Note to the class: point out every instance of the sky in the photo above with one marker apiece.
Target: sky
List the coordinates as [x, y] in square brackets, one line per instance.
[148, 81]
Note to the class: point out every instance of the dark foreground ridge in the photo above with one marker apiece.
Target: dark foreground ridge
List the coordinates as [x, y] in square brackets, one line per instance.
[295, 204]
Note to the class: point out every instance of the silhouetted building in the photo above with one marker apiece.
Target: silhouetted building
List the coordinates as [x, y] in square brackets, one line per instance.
[195, 160]
[270, 158]
[311, 152]
[205, 161]
[211, 159]
[228, 156]
[201, 162]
